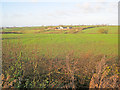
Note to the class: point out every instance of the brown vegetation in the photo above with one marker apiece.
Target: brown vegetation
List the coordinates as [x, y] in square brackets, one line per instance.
[105, 77]
[31, 70]
[103, 31]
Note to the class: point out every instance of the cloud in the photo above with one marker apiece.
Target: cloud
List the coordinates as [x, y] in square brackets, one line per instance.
[101, 0]
[96, 7]
[86, 7]
[60, 13]
[17, 15]
[34, 1]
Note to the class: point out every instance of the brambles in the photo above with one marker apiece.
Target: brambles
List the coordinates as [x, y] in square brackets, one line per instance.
[31, 69]
[8, 82]
[14, 74]
[38, 71]
[105, 76]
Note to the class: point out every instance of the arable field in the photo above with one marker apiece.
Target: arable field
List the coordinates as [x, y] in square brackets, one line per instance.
[39, 58]
[61, 44]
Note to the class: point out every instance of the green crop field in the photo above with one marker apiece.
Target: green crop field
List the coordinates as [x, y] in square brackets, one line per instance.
[35, 53]
[61, 44]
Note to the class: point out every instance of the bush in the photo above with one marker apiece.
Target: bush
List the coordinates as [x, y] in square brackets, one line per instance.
[103, 31]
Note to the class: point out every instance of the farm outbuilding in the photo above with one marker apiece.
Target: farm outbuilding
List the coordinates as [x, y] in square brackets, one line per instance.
[63, 27]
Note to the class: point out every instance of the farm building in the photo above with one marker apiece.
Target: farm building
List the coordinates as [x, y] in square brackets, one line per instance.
[63, 27]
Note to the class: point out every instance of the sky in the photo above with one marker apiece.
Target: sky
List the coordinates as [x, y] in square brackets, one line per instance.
[58, 12]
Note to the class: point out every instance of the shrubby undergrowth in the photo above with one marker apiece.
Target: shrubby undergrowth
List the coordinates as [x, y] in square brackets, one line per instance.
[41, 71]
